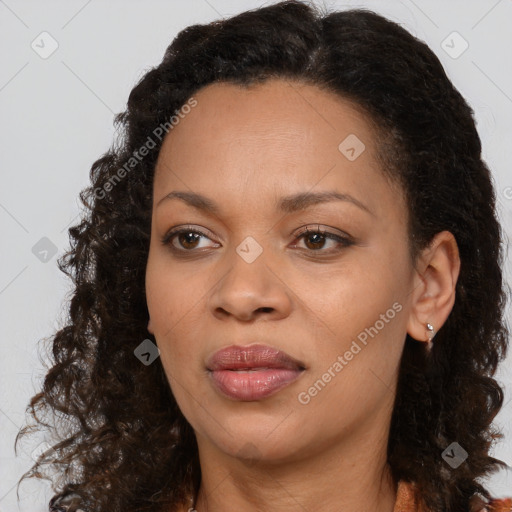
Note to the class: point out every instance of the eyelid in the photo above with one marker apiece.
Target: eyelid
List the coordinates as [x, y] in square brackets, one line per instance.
[343, 239]
[188, 228]
[324, 229]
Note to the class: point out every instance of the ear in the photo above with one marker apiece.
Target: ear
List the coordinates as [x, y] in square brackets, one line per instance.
[150, 327]
[433, 294]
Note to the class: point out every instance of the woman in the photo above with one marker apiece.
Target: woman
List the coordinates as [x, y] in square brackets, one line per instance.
[289, 292]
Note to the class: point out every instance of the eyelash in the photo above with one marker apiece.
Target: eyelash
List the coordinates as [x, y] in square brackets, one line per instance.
[344, 241]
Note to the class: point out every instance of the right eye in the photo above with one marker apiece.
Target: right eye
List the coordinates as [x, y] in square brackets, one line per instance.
[186, 237]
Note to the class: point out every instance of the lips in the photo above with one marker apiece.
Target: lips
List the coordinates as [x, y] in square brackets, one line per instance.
[252, 372]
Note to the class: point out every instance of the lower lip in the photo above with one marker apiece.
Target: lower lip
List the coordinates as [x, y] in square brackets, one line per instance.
[253, 385]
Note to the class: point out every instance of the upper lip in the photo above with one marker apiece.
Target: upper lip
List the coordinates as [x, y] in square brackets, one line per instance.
[237, 357]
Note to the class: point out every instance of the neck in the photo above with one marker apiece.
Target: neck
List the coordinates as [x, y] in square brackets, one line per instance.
[357, 479]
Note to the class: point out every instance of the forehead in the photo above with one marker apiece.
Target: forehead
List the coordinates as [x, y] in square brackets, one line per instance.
[277, 117]
[278, 136]
[276, 102]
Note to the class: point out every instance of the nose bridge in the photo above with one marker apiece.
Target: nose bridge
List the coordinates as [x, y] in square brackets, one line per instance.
[248, 273]
[250, 284]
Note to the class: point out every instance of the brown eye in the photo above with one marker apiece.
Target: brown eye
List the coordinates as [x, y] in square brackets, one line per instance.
[187, 238]
[315, 240]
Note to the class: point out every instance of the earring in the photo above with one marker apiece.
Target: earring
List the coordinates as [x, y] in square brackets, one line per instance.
[430, 336]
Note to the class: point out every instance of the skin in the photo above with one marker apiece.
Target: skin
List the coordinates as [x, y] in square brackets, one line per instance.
[244, 149]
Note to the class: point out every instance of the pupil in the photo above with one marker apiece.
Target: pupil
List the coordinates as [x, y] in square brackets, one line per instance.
[316, 235]
[189, 238]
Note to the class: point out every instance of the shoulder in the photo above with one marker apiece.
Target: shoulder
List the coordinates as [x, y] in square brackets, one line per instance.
[494, 505]
[407, 501]
[500, 505]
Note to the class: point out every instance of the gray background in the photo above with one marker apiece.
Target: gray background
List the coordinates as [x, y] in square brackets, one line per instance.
[56, 118]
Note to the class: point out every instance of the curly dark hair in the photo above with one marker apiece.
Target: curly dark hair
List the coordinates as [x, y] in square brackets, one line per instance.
[114, 449]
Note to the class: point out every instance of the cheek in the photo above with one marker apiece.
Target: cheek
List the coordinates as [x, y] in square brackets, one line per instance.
[171, 294]
[353, 300]
[173, 318]
[363, 316]
[174, 337]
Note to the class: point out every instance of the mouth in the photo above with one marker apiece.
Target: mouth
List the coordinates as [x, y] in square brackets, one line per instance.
[252, 372]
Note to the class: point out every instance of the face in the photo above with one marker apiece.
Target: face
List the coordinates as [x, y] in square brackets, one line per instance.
[334, 298]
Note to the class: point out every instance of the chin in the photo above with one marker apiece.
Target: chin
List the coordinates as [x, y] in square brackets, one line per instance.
[252, 441]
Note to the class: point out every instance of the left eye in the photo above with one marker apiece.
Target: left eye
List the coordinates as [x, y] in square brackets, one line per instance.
[318, 236]
[314, 239]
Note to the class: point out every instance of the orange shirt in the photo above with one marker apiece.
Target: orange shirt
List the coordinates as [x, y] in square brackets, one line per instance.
[406, 501]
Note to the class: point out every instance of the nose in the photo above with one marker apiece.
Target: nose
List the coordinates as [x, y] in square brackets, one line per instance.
[249, 290]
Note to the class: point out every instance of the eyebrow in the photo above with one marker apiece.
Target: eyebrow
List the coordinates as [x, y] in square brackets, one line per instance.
[287, 204]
